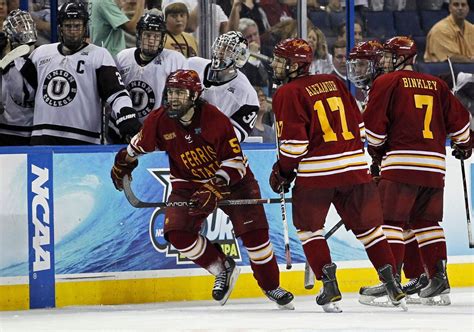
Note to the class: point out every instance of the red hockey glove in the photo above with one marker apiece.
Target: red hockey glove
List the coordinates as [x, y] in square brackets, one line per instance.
[121, 168]
[278, 180]
[204, 200]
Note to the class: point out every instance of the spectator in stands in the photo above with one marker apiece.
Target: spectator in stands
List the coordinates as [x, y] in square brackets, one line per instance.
[108, 24]
[262, 129]
[41, 13]
[392, 5]
[73, 79]
[429, 4]
[358, 34]
[248, 9]
[3, 11]
[339, 52]
[334, 6]
[452, 37]
[254, 69]
[276, 11]
[222, 22]
[322, 60]
[129, 7]
[176, 17]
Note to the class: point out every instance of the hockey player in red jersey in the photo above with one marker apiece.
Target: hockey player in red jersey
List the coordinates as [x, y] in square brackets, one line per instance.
[364, 65]
[321, 130]
[206, 166]
[408, 118]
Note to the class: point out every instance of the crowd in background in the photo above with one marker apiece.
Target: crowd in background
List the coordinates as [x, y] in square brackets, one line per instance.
[264, 23]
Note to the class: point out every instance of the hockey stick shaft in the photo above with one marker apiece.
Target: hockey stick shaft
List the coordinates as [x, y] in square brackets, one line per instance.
[136, 202]
[14, 54]
[308, 272]
[286, 237]
[466, 204]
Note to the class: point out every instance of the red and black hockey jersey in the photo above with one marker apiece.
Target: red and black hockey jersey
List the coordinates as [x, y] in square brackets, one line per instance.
[321, 132]
[409, 115]
[197, 152]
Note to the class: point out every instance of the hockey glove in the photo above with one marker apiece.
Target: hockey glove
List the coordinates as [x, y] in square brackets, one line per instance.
[461, 152]
[278, 180]
[205, 199]
[121, 168]
[127, 123]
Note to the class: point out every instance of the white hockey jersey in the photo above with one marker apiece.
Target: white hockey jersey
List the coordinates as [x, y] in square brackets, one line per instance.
[18, 102]
[70, 91]
[237, 99]
[146, 84]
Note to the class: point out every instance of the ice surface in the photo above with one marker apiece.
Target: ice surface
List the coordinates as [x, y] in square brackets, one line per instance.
[247, 315]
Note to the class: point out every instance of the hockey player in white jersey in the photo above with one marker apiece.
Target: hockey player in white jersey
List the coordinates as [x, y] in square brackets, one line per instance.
[145, 68]
[72, 78]
[225, 86]
[16, 114]
[231, 92]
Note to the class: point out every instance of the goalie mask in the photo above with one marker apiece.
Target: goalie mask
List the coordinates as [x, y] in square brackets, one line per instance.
[151, 34]
[20, 28]
[72, 20]
[182, 90]
[229, 52]
[364, 63]
[398, 52]
[287, 53]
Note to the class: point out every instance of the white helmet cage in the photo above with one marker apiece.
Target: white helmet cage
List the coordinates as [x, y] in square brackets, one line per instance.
[20, 28]
[229, 49]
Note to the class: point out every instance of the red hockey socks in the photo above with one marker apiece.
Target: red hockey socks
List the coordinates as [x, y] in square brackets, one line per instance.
[412, 264]
[198, 249]
[262, 260]
[376, 246]
[432, 243]
[316, 250]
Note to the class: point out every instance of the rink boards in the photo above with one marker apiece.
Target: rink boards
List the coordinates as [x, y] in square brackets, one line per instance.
[67, 237]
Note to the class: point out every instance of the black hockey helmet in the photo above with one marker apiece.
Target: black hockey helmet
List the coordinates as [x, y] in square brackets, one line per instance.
[151, 21]
[72, 10]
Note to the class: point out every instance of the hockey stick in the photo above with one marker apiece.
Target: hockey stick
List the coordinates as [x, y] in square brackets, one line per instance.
[463, 172]
[466, 204]
[13, 54]
[136, 202]
[308, 272]
[286, 237]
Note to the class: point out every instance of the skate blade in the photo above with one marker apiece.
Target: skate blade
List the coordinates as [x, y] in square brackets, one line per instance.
[381, 301]
[288, 306]
[233, 279]
[331, 307]
[413, 299]
[440, 300]
[403, 304]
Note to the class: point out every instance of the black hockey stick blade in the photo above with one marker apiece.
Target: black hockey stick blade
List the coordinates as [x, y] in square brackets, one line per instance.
[136, 202]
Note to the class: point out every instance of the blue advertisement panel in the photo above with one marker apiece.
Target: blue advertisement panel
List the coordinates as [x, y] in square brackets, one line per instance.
[41, 230]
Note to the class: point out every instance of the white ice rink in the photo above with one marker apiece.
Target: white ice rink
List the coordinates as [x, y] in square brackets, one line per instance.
[247, 315]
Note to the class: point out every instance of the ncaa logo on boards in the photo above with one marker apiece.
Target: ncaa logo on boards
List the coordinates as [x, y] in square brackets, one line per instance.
[59, 88]
[143, 97]
[217, 227]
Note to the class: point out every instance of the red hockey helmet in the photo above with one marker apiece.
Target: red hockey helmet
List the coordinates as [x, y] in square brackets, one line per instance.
[295, 50]
[364, 63]
[177, 103]
[184, 79]
[370, 50]
[401, 46]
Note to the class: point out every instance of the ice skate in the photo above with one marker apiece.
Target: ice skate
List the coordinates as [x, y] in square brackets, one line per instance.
[437, 290]
[374, 296]
[225, 281]
[329, 293]
[412, 289]
[392, 286]
[281, 297]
